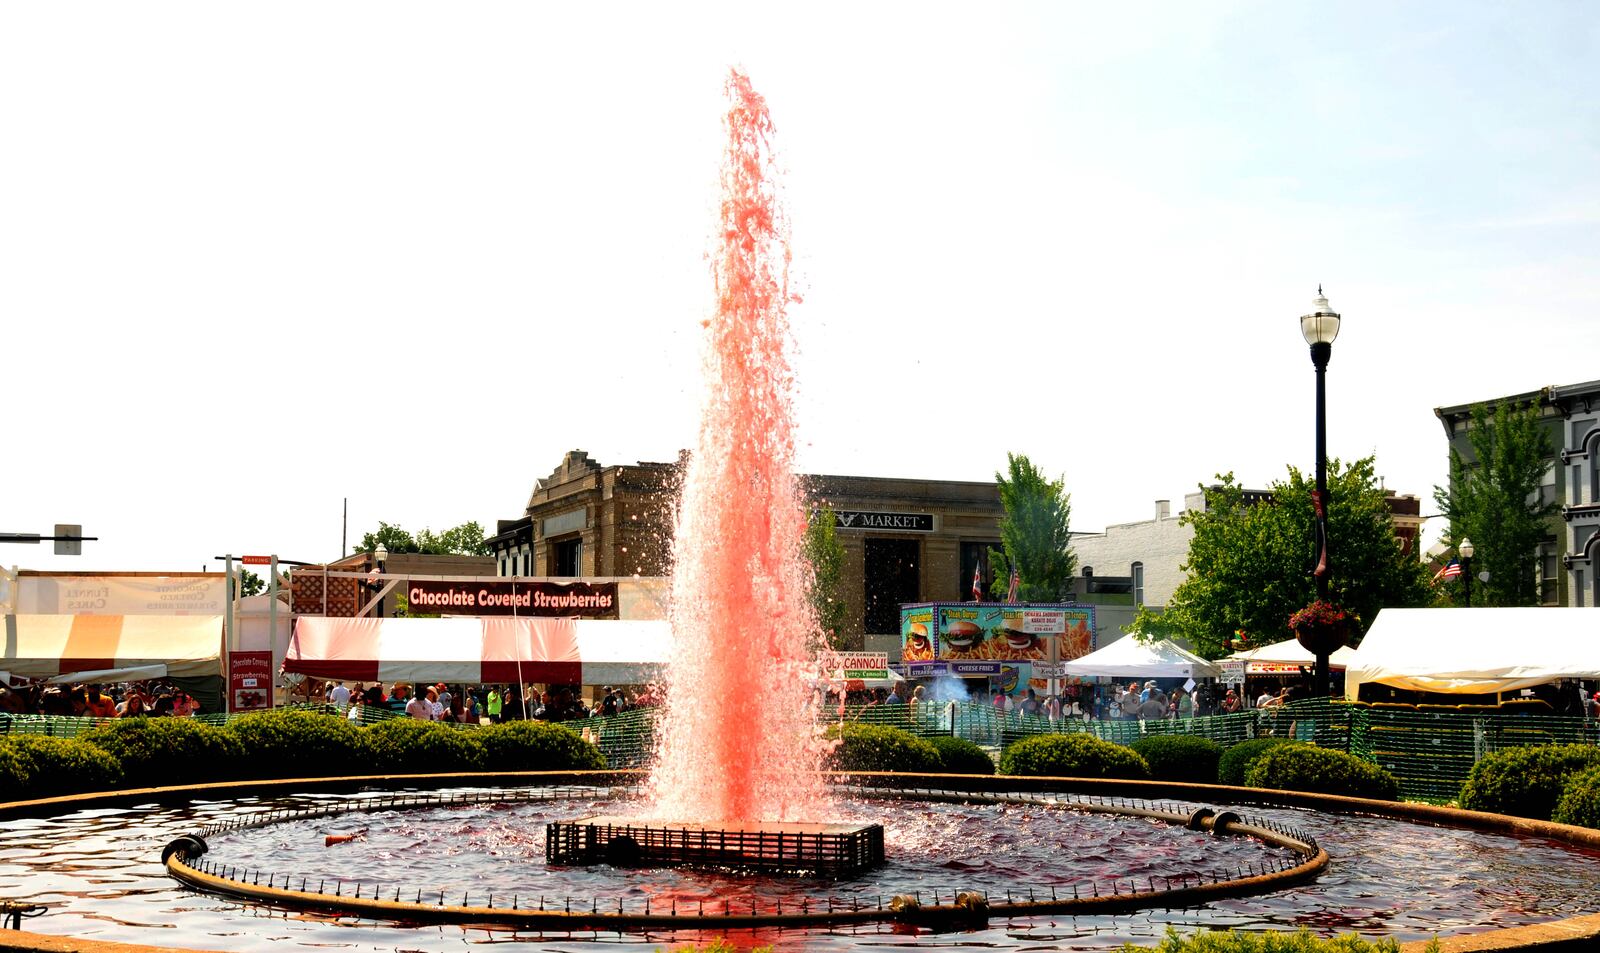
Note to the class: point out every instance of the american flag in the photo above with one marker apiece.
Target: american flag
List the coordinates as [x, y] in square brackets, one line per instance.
[1014, 585]
[977, 583]
[1451, 570]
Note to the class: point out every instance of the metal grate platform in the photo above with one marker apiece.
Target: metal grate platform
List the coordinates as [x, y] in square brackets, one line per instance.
[820, 850]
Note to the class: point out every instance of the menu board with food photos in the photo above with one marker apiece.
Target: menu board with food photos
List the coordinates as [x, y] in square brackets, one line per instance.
[977, 631]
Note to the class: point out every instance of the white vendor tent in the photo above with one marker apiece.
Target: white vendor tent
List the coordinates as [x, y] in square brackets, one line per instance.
[1130, 658]
[473, 649]
[111, 648]
[1470, 651]
[1287, 656]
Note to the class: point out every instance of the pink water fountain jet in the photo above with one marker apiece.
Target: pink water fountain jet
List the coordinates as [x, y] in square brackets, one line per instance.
[738, 742]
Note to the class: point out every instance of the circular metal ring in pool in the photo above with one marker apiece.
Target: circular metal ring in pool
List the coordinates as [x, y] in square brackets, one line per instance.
[184, 858]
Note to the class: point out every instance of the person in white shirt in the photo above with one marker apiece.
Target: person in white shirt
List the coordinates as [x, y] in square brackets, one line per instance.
[340, 695]
[419, 708]
[433, 703]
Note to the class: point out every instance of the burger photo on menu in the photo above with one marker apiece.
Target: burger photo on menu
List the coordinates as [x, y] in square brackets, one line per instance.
[918, 646]
[1011, 644]
[961, 639]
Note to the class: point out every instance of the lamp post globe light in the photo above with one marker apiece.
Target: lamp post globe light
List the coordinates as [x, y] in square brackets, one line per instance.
[1319, 328]
[1466, 550]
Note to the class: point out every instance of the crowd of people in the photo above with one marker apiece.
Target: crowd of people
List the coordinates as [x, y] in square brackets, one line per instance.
[136, 699]
[484, 704]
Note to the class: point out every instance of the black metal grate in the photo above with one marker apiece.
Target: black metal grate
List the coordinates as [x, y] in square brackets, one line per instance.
[820, 850]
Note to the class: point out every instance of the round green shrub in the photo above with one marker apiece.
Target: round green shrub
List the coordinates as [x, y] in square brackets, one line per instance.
[412, 746]
[1236, 760]
[1180, 757]
[1525, 782]
[1072, 756]
[536, 746]
[880, 748]
[1321, 771]
[1269, 941]
[1580, 800]
[64, 766]
[16, 772]
[286, 743]
[960, 756]
[155, 752]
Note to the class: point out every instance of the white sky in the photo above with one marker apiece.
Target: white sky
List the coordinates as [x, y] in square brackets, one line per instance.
[258, 258]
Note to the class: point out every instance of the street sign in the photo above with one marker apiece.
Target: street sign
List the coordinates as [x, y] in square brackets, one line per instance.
[256, 560]
[69, 547]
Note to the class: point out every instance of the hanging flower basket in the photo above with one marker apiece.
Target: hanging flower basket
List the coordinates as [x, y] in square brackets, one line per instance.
[1321, 628]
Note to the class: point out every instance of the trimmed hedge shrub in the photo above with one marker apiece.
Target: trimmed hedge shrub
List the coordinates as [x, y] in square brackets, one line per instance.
[155, 752]
[880, 748]
[63, 765]
[412, 746]
[1180, 757]
[1072, 756]
[961, 756]
[300, 744]
[1321, 771]
[1580, 800]
[1525, 782]
[1236, 760]
[536, 746]
[16, 772]
[1270, 941]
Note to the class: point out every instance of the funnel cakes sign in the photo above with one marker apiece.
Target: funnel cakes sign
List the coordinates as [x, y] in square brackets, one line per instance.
[588, 600]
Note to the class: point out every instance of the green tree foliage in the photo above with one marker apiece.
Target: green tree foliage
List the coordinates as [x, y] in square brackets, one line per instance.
[1249, 566]
[464, 540]
[825, 554]
[250, 584]
[1494, 501]
[1033, 534]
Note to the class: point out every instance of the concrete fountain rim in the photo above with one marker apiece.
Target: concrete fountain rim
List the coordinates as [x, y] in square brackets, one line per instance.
[1579, 932]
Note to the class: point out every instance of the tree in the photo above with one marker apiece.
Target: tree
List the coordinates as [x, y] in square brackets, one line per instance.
[464, 540]
[250, 584]
[1495, 501]
[1249, 564]
[1033, 533]
[825, 554]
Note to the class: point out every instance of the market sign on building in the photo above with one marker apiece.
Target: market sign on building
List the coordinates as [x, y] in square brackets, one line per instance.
[886, 522]
[588, 600]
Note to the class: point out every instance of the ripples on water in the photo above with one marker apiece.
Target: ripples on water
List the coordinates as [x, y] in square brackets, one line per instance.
[100, 874]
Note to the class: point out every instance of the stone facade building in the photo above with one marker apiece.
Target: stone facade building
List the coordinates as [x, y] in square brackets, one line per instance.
[1569, 557]
[904, 540]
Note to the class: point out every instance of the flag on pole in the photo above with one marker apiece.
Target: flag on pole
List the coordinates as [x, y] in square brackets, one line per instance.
[977, 583]
[1014, 585]
[1449, 570]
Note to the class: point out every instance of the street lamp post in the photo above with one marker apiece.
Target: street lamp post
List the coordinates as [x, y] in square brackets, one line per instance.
[380, 557]
[1466, 550]
[1319, 328]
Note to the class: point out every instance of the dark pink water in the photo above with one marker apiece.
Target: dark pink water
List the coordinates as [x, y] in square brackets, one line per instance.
[99, 872]
[737, 740]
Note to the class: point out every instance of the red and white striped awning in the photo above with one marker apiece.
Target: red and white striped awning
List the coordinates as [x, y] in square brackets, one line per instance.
[484, 650]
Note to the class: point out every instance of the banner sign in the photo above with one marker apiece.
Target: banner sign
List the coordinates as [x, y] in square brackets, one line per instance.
[896, 522]
[588, 600]
[1049, 670]
[249, 680]
[88, 594]
[862, 664]
[1010, 633]
[1232, 670]
[1279, 668]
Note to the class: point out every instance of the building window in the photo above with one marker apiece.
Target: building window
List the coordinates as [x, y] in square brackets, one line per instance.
[569, 557]
[1138, 584]
[1577, 587]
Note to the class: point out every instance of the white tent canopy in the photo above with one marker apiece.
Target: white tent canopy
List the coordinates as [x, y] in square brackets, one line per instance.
[1129, 658]
[1291, 652]
[1470, 651]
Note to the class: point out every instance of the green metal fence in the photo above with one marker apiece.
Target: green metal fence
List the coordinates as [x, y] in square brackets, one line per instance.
[1429, 750]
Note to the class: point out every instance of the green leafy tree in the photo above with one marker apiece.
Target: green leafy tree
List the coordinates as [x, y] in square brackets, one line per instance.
[1034, 534]
[250, 584]
[1249, 565]
[1494, 500]
[825, 554]
[464, 540]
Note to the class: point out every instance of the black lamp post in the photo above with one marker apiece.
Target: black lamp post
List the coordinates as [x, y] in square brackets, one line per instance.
[1319, 328]
[1466, 551]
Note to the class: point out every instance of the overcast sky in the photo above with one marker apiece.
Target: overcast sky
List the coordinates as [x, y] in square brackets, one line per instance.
[255, 259]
